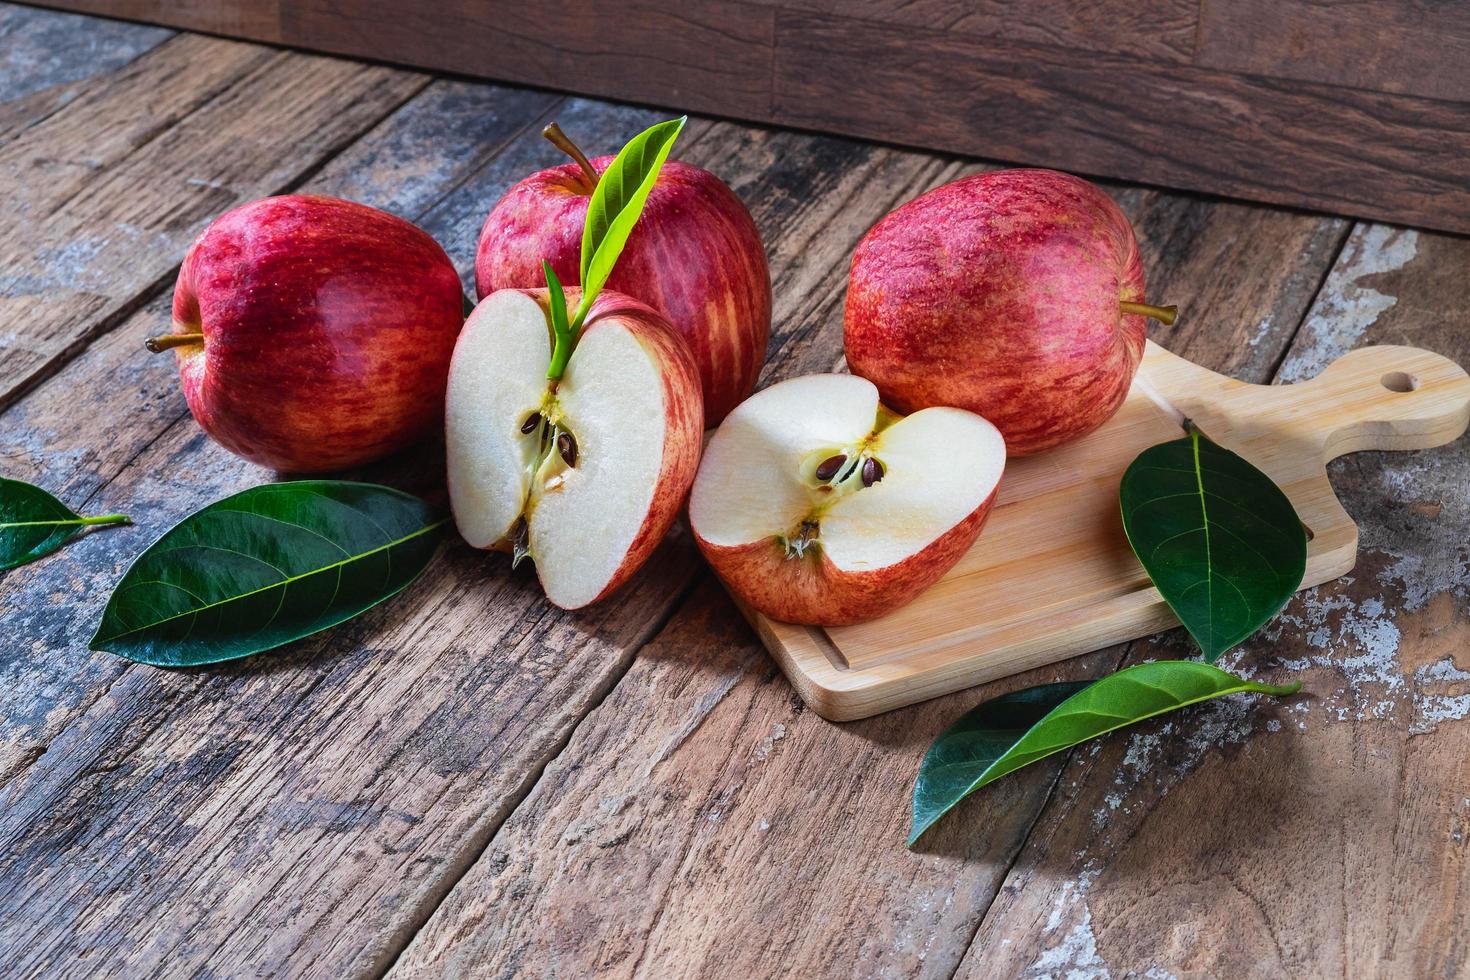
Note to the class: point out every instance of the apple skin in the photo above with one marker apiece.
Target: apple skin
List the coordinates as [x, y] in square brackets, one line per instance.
[695, 256]
[328, 327]
[811, 591]
[683, 415]
[999, 293]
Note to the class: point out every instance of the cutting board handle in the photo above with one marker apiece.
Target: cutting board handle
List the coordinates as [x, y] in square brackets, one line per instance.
[1385, 397]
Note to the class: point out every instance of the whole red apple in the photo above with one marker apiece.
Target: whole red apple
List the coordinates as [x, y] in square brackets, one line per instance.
[695, 257]
[1016, 294]
[314, 333]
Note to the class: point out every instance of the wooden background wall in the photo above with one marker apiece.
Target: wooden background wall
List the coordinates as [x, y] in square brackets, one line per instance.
[1356, 107]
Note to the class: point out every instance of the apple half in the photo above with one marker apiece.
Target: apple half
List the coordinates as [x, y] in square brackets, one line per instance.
[817, 505]
[583, 475]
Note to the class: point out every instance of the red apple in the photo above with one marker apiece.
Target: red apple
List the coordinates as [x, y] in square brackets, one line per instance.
[314, 333]
[816, 505]
[583, 475]
[695, 256]
[1016, 294]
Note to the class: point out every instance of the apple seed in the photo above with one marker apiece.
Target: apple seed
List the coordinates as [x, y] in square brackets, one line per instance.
[567, 446]
[872, 471]
[529, 426]
[829, 467]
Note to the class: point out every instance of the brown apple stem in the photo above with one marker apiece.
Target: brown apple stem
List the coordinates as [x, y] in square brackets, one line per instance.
[171, 340]
[1164, 314]
[564, 143]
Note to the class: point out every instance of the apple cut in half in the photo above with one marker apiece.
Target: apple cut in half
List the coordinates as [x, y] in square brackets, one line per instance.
[817, 505]
[583, 475]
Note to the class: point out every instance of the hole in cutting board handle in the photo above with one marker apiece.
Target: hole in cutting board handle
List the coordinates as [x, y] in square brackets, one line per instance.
[1399, 381]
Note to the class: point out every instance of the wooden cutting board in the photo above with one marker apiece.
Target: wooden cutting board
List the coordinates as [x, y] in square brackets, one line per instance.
[1052, 575]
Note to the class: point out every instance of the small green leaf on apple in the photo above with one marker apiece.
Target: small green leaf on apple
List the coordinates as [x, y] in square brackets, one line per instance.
[266, 566]
[561, 327]
[1003, 734]
[1221, 542]
[616, 204]
[33, 523]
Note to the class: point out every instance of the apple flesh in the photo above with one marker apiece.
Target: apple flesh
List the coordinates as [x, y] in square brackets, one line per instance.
[816, 505]
[313, 333]
[695, 257]
[583, 475]
[1017, 294]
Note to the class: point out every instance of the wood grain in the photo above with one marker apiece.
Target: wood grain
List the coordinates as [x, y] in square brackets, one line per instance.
[107, 192]
[1161, 29]
[1297, 144]
[49, 56]
[1412, 47]
[698, 55]
[701, 805]
[1357, 108]
[1343, 845]
[258, 20]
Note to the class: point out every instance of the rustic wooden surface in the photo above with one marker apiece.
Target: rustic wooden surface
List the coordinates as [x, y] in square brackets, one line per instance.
[466, 778]
[1358, 107]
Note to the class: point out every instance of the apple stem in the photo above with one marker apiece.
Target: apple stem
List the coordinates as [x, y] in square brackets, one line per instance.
[564, 143]
[1164, 314]
[170, 340]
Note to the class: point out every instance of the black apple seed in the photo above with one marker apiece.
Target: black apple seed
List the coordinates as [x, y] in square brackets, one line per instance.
[828, 467]
[529, 426]
[567, 446]
[872, 471]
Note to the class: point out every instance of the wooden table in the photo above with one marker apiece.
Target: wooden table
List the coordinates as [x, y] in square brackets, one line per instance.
[466, 780]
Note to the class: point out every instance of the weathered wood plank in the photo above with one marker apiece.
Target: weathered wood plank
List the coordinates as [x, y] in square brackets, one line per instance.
[258, 20]
[1138, 91]
[1325, 837]
[1285, 142]
[1379, 45]
[49, 54]
[698, 55]
[700, 805]
[104, 195]
[1161, 29]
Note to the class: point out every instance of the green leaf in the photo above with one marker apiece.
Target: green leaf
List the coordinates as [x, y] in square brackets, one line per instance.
[1221, 542]
[616, 204]
[561, 330]
[1003, 734]
[264, 567]
[33, 523]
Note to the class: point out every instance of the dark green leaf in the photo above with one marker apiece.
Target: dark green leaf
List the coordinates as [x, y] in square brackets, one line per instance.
[33, 523]
[616, 204]
[1221, 542]
[1003, 734]
[265, 567]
